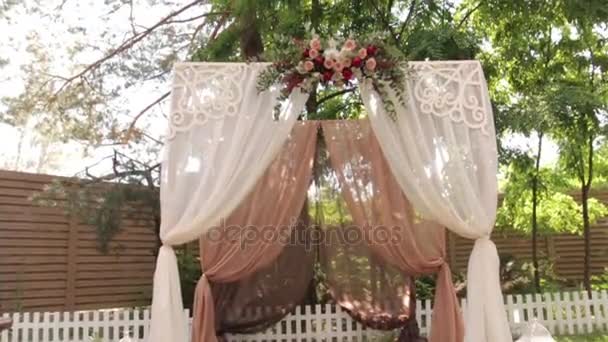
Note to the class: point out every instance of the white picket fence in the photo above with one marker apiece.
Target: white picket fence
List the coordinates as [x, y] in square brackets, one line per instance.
[567, 313]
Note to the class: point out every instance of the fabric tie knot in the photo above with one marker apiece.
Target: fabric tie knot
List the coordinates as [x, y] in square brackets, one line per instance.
[484, 237]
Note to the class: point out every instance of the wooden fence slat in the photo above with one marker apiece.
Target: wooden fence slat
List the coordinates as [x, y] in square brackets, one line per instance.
[587, 316]
[4, 334]
[550, 310]
[604, 310]
[578, 312]
[568, 297]
[520, 309]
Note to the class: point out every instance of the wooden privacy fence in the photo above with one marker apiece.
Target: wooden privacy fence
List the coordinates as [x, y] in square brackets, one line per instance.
[49, 261]
[566, 251]
[569, 313]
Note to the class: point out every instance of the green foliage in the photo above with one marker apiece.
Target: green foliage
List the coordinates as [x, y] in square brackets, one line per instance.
[425, 287]
[517, 276]
[104, 202]
[90, 108]
[546, 62]
[189, 272]
[557, 212]
[600, 282]
[102, 207]
[582, 338]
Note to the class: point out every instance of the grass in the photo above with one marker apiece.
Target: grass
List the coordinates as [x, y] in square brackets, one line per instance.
[581, 338]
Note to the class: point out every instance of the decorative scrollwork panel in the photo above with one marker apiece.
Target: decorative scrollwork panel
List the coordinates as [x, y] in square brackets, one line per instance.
[203, 92]
[456, 90]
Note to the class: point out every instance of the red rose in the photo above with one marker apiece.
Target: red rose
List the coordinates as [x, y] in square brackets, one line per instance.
[347, 74]
[328, 75]
[292, 81]
[305, 53]
[357, 62]
[371, 50]
[319, 60]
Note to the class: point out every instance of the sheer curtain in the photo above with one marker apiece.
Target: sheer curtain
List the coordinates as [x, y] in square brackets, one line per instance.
[388, 222]
[259, 301]
[442, 152]
[373, 291]
[222, 137]
[253, 236]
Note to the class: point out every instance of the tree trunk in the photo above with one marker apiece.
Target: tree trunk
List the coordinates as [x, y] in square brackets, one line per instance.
[250, 37]
[586, 186]
[587, 236]
[156, 210]
[535, 215]
[159, 242]
[311, 103]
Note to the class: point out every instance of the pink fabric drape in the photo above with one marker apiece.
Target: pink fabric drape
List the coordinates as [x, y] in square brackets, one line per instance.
[374, 292]
[255, 233]
[255, 303]
[392, 229]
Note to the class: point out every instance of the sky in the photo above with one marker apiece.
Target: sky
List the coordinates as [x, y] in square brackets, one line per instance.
[68, 159]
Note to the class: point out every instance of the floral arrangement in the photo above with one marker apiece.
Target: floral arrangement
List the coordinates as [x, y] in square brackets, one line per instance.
[313, 64]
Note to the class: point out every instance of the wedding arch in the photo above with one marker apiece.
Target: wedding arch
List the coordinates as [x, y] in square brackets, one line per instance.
[229, 161]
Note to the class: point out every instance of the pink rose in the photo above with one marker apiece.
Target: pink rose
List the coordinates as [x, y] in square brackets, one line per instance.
[315, 44]
[349, 45]
[309, 65]
[329, 63]
[370, 64]
[338, 66]
[346, 62]
[313, 53]
[362, 53]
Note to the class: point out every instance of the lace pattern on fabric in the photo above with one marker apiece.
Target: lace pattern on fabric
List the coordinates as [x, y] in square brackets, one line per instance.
[452, 89]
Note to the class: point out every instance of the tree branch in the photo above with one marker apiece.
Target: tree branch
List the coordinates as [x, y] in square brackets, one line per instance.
[590, 161]
[60, 7]
[581, 166]
[120, 174]
[218, 26]
[386, 22]
[389, 6]
[180, 21]
[151, 138]
[140, 114]
[194, 35]
[116, 174]
[213, 34]
[159, 75]
[408, 18]
[126, 45]
[338, 93]
[468, 14]
[131, 19]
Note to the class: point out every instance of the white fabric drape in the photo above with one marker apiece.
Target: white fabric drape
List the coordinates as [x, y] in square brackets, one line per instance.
[442, 151]
[222, 138]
